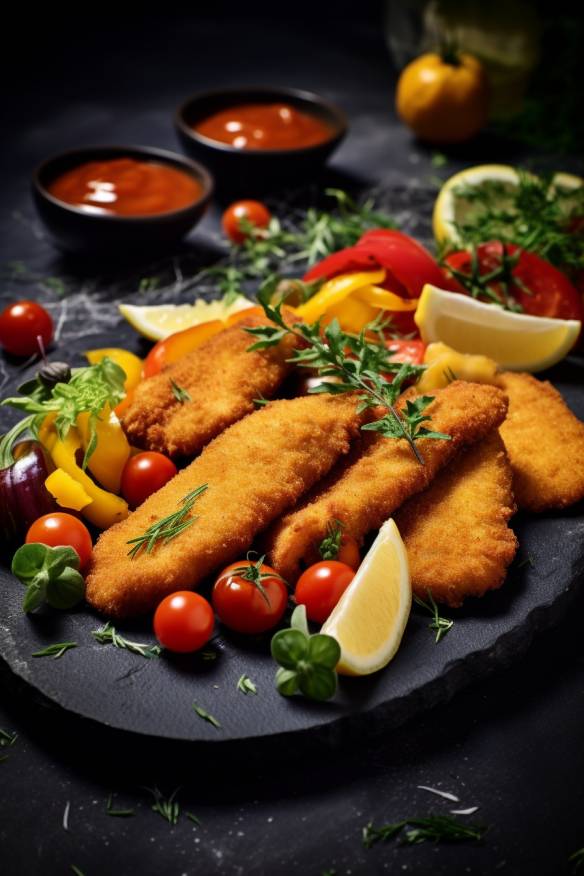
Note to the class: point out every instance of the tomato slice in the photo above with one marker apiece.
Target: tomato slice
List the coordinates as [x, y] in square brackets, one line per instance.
[538, 287]
[411, 351]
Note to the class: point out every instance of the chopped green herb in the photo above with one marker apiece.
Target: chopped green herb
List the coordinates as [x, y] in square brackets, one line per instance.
[168, 809]
[77, 871]
[208, 656]
[55, 284]
[434, 828]
[330, 546]
[526, 561]
[577, 859]
[181, 395]
[193, 818]
[117, 813]
[261, 402]
[441, 625]
[55, 651]
[108, 635]
[246, 685]
[148, 284]
[202, 713]
[439, 159]
[7, 739]
[169, 527]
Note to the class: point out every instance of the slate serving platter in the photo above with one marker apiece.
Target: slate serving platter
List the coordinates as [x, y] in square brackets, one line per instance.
[156, 697]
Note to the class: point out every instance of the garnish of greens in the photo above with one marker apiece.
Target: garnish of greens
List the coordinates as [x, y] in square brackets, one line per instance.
[87, 391]
[117, 813]
[307, 662]
[577, 859]
[108, 635]
[50, 574]
[55, 651]
[479, 285]
[181, 395]
[359, 364]
[441, 625]
[253, 573]
[434, 828]
[330, 546]
[536, 214]
[7, 740]
[169, 527]
[168, 809]
[246, 685]
[204, 714]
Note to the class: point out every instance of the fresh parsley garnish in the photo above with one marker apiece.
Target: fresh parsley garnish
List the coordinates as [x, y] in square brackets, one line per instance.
[169, 527]
[307, 662]
[108, 635]
[55, 651]
[441, 625]
[434, 828]
[50, 574]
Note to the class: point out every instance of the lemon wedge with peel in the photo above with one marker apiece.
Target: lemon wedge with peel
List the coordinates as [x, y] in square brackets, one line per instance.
[158, 321]
[514, 340]
[369, 620]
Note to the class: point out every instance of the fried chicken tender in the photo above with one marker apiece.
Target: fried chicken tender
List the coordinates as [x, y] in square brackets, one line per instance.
[545, 444]
[255, 470]
[222, 379]
[456, 532]
[381, 474]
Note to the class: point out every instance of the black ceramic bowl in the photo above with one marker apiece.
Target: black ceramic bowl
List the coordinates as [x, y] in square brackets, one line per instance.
[75, 230]
[253, 171]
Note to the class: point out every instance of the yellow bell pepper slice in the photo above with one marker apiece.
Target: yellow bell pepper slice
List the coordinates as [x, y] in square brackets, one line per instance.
[128, 362]
[112, 450]
[105, 508]
[385, 300]
[445, 365]
[336, 290]
[351, 314]
[67, 492]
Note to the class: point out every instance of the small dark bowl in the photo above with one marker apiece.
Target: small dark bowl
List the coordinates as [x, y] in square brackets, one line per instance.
[253, 171]
[74, 230]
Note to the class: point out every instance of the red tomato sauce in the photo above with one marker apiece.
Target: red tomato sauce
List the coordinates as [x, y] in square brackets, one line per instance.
[126, 187]
[264, 126]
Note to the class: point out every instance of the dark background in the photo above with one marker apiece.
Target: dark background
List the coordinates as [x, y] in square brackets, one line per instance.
[511, 745]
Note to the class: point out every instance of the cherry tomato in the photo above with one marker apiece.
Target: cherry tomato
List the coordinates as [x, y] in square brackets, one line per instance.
[145, 473]
[60, 529]
[321, 586]
[349, 552]
[254, 212]
[535, 285]
[411, 351]
[21, 324]
[183, 622]
[249, 597]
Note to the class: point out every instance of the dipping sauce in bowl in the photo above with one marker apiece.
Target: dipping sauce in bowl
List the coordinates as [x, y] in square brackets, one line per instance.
[264, 126]
[126, 187]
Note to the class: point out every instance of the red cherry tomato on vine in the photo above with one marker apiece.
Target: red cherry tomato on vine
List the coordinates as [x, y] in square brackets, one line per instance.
[249, 597]
[21, 324]
[254, 212]
[145, 473]
[60, 529]
[349, 552]
[321, 586]
[183, 622]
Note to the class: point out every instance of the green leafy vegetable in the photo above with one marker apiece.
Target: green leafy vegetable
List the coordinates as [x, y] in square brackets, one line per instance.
[434, 828]
[441, 625]
[181, 395]
[202, 713]
[169, 527]
[108, 635]
[55, 651]
[50, 574]
[246, 685]
[307, 662]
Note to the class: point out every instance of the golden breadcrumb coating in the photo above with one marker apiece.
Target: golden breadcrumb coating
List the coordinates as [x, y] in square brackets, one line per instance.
[545, 444]
[255, 470]
[456, 532]
[222, 379]
[381, 474]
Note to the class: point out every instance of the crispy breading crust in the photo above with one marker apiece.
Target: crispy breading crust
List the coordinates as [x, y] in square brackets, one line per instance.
[222, 379]
[382, 474]
[456, 532]
[545, 444]
[255, 470]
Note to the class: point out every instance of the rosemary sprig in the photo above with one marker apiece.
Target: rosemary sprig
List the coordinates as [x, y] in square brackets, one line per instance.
[202, 713]
[77, 871]
[441, 625]
[168, 809]
[359, 365]
[108, 635]
[181, 394]
[117, 813]
[55, 651]
[169, 527]
[246, 685]
[434, 828]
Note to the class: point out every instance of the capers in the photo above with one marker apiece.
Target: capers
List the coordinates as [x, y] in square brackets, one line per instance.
[53, 373]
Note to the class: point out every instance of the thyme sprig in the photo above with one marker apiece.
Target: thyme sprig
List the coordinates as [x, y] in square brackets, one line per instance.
[108, 635]
[168, 527]
[441, 625]
[359, 365]
[433, 828]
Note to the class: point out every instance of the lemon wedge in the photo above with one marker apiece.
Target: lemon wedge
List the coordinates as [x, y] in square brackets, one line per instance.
[515, 341]
[369, 620]
[450, 208]
[158, 321]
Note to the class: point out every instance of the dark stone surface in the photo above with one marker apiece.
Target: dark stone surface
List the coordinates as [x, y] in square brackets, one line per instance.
[511, 745]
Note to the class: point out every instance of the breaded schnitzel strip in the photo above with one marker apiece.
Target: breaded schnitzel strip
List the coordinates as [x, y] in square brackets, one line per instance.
[255, 470]
[382, 474]
[545, 444]
[456, 532]
[222, 379]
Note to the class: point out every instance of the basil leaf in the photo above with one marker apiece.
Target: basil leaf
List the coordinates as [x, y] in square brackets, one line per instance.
[318, 682]
[28, 561]
[298, 620]
[324, 650]
[286, 681]
[34, 596]
[66, 590]
[288, 647]
[59, 558]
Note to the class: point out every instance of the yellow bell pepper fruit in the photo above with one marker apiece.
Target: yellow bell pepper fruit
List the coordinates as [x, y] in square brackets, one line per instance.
[128, 362]
[335, 291]
[67, 492]
[105, 508]
[445, 365]
[112, 451]
[385, 300]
